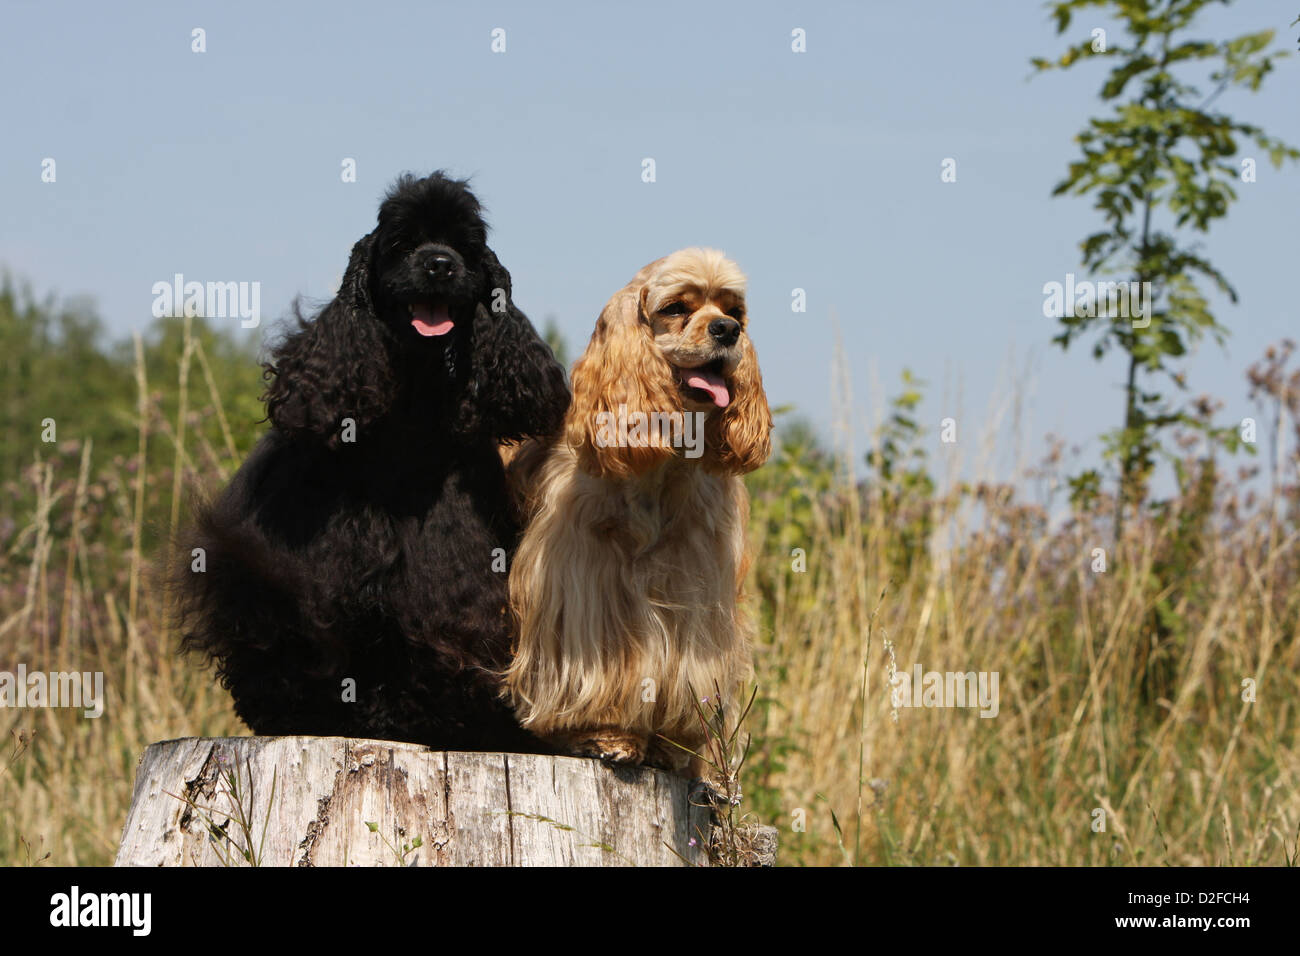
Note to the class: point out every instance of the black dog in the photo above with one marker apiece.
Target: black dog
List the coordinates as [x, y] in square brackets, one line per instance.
[365, 539]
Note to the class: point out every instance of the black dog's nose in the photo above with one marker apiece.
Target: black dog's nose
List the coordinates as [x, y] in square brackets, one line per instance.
[725, 331]
[441, 267]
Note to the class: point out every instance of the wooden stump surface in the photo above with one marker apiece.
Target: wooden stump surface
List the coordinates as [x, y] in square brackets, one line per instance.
[333, 801]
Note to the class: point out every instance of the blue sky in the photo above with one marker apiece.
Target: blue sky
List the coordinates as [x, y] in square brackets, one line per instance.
[818, 171]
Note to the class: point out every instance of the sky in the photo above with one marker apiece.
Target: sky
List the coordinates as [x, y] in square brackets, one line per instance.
[818, 171]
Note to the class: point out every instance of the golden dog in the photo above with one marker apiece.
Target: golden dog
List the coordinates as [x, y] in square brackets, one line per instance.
[627, 585]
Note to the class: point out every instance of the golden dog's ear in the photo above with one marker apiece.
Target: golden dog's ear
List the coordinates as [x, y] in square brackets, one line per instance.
[740, 439]
[622, 373]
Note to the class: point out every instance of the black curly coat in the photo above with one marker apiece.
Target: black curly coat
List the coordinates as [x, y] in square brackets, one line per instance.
[366, 537]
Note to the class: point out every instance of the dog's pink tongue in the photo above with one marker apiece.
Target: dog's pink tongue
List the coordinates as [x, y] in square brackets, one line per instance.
[431, 321]
[712, 383]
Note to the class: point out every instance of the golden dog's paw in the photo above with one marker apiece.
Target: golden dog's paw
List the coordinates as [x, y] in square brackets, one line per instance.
[609, 744]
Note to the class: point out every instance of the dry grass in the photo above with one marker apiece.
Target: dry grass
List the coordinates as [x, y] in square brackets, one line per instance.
[76, 594]
[1121, 694]
[1120, 691]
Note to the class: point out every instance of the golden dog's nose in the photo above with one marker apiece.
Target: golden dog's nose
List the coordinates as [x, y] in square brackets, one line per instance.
[725, 331]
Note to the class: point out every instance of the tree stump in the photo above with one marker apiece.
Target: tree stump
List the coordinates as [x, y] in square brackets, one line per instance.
[333, 801]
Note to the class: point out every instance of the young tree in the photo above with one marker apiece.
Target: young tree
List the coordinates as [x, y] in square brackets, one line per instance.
[1159, 170]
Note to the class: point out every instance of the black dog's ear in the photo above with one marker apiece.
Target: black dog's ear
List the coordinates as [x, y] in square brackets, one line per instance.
[336, 368]
[520, 387]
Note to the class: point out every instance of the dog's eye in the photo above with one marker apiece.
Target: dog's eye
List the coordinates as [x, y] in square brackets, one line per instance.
[674, 308]
[737, 313]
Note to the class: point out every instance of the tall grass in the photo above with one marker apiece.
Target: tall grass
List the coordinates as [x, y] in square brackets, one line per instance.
[1121, 691]
[1123, 735]
[78, 592]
